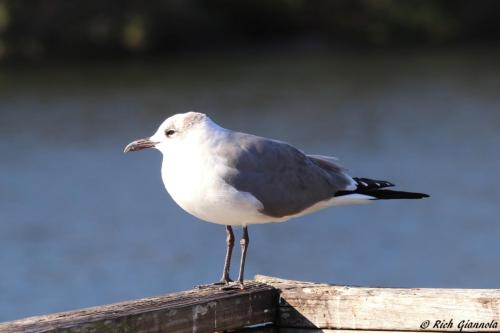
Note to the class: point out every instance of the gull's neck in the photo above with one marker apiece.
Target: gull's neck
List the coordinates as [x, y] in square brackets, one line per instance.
[212, 128]
[191, 168]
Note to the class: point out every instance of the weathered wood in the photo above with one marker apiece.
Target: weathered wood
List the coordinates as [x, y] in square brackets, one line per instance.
[260, 329]
[203, 310]
[292, 306]
[274, 329]
[323, 306]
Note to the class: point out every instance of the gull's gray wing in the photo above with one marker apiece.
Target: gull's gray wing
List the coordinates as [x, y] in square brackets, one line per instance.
[282, 178]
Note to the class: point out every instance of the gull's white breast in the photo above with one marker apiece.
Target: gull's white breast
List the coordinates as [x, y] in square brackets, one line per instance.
[193, 176]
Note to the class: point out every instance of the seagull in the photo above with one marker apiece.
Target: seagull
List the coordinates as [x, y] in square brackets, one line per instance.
[238, 179]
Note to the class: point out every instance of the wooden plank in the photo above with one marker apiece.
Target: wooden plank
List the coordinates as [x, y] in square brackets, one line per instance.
[319, 330]
[260, 329]
[323, 306]
[198, 310]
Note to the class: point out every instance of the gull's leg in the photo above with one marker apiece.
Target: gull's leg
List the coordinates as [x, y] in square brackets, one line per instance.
[227, 261]
[244, 246]
[224, 280]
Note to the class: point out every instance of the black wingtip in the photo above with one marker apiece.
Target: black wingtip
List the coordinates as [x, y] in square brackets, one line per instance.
[390, 194]
[365, 184]
[378, 190]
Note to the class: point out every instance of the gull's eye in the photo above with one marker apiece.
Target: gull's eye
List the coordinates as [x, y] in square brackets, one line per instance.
[169, 133]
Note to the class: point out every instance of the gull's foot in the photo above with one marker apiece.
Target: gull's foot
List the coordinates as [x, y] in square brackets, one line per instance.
[233, 286]
[223, 282]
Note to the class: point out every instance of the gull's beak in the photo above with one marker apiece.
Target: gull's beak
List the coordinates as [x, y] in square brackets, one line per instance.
[139, 145]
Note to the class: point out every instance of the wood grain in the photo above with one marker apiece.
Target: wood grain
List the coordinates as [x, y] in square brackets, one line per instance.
[291, 306]
[323, 306]
[203, 310]
[274, 329]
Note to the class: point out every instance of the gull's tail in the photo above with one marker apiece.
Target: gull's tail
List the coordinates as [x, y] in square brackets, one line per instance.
[376, 190]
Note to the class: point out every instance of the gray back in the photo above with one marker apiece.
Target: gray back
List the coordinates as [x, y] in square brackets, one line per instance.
[282, 178]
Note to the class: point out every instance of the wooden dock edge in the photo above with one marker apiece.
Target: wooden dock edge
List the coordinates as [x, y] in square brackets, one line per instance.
[287, 307]
[198, 310]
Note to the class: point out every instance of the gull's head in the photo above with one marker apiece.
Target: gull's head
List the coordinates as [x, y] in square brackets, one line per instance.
[171, 132]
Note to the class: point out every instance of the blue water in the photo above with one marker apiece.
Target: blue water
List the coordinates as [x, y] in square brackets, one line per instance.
[81, 224]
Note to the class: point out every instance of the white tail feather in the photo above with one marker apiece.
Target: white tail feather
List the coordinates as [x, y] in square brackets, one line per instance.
[351, 199]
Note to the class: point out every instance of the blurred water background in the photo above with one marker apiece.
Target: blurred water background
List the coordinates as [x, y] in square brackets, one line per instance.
[82, 224]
